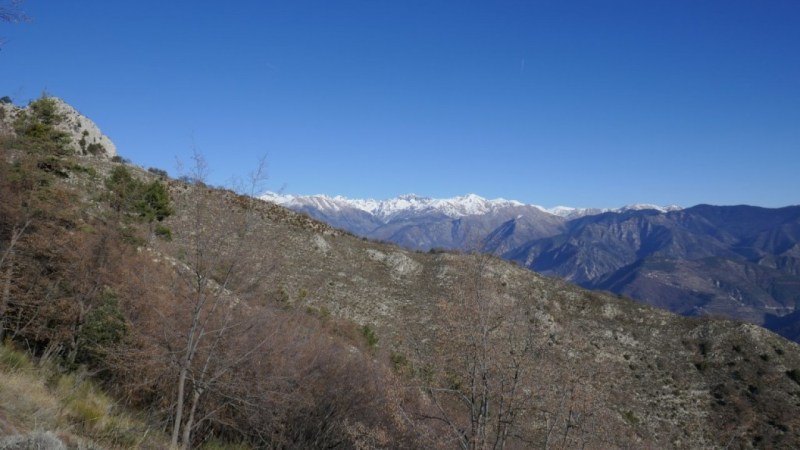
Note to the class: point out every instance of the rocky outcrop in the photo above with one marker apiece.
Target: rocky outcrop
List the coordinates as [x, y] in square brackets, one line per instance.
[87, 139]
[84, 135]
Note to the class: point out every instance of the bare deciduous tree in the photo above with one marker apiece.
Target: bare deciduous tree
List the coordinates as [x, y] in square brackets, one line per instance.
[10, 12]
[213, 272]
[18, 210]
[491, 352]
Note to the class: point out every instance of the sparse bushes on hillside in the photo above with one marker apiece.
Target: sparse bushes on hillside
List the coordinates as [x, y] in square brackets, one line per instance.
[123, 188]
[163, 232]
[147, 202]
[370, 336]
[159, 172]
[37, 130]
[95, 149]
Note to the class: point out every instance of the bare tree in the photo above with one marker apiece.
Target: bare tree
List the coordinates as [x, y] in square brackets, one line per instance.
[216, 257]
[10, 12]
[490, 349]
[20, 206]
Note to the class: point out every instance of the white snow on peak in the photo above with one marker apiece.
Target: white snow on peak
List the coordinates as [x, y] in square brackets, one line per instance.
[572, 213]
[643, 206]
[466, 205]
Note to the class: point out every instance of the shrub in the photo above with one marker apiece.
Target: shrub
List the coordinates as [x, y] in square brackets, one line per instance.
[127, 194]
[631, 417]
[104, 327]
[122, 187]
[401, 364]
[88, 170]
[36, 128]
[95, 149]
[370, 335]
[154, 202]
[45, 111]
[160, 172]
[163, 232]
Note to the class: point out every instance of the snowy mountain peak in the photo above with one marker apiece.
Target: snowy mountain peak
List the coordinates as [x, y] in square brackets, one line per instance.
[643, 206]
[569, 212]
[470, 204]
[412, 197]
[465, 205]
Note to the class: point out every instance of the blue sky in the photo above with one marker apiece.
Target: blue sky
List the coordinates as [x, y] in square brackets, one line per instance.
[579, 103]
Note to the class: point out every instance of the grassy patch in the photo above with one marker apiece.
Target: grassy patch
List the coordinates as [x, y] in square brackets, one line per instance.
[34, 398]
[11, 359]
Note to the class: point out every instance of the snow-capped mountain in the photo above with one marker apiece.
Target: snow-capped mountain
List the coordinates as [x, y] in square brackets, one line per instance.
[412, 204]
[572, 213]
[386, 210]
[462, 223]
[423, 222]
[737, 261]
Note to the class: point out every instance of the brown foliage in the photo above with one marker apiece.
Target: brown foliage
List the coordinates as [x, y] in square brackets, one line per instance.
[57, 260]
[239, 365]
[307, 387]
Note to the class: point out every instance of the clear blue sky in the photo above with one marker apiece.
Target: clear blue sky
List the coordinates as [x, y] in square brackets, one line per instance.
[580, 103]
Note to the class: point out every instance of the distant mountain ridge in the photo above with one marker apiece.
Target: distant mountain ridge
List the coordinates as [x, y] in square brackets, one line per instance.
[458, 223]
[470, 204]
[741, 262]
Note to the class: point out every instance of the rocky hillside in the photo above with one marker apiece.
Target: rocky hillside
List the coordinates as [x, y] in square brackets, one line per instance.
[738, 262]
[80, 134]
[647, 377]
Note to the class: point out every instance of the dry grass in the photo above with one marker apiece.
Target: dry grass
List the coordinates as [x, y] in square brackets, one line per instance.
[36, 398]
[26, 403]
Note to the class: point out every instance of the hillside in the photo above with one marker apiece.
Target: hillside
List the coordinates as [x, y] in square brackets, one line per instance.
[733, 261]
[739, 262]
[268, 329]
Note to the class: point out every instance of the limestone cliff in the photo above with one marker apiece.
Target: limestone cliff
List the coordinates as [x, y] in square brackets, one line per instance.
[84, 135]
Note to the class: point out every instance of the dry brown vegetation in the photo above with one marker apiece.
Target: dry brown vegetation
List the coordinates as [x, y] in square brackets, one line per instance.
[229, 321]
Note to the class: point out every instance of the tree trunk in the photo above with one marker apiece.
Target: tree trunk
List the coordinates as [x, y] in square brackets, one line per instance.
[6, 299]
[8, 260]
[176, 426]
[187, 429]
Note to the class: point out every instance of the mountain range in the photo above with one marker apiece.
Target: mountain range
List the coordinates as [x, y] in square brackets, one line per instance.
[739, 262]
